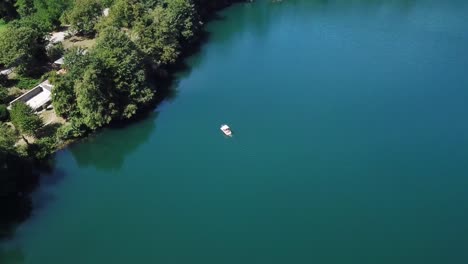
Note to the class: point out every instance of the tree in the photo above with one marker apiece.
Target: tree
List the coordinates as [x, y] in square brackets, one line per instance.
[124, 63]
[7, 9]
[3, 94]
[47, 12]
[3, 81]
[4, 115]
[124, 13]
[25, 7]
[153, 35]
[22, 47]
[24, 119]
[63, 95]
[106, 84]
[50, 11]
[43, 147]
[8, 138]
[55, 51]
[160, 33]
[83, 16]
[93, 99]
[183, 17]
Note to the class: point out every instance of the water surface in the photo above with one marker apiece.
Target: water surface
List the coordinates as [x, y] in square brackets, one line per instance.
[350, 146]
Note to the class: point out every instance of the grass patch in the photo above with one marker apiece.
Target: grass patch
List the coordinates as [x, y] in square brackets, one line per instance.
[27, 83]
[3, 25]
[81, 42]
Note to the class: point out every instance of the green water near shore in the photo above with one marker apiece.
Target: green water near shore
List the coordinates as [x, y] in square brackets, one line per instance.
[350, 146]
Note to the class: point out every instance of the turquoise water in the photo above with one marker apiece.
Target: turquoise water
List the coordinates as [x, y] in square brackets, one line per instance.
[350, 146]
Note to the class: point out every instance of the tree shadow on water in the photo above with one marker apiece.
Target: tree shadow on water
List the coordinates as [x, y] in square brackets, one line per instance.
[12, 256]
[17, 183]
[108, 149]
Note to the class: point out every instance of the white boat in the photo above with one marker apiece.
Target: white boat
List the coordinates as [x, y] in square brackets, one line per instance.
[226, 130]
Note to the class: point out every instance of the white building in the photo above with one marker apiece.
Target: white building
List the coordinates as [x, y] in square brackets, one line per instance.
[37, 98]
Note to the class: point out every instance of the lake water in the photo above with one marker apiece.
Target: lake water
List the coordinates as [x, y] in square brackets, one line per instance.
[350, 146]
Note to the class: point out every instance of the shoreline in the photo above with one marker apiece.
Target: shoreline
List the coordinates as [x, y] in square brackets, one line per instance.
[18, 205]
[165, 76]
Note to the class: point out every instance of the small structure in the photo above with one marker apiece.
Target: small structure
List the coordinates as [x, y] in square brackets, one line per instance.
[56, 37]
[105, 12]
[6, 72]
[37, 98]
[59, 62]
[61, 72]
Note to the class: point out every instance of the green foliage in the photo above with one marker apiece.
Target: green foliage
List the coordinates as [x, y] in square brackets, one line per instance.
[106, 84]
[114, 82]
[183, 17]
[22, 47]
[124, 13]
[160, 33]
[55, 52]
[83, 16]
[63, 95]
[3, 80]
[27, 83]
[124, 64]
[110, 81]
[69, 131]
[7, 10]
[25, 7]
[3, 94]
[8, 138]
[107, 3]
[43, 147]
[39, 26]
[24, 119]
[93, 99]
[3, 25]
[46, 12]
[4, 115]
[50, 11]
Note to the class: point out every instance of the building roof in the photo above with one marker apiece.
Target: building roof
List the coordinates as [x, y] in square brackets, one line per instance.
[105, 12]
[36, 97]
[46, 84]
[6, 71]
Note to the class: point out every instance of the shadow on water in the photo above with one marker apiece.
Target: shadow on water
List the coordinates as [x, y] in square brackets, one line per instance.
[12, 256]
[108, 149]
[16, 186]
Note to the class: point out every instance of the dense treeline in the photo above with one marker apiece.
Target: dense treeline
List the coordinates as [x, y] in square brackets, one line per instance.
[8, 10]
[112, 81]
[138, 39]
[24, 41]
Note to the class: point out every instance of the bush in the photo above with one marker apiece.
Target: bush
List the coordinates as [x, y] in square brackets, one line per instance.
[55, 52]
[69, 131]
[43, 147]
[27, 83]
[3, 80]
[4, 115]
[24, 119]
[3, 94]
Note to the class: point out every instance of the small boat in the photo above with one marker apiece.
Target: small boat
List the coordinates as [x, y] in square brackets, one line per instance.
[226, 130]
